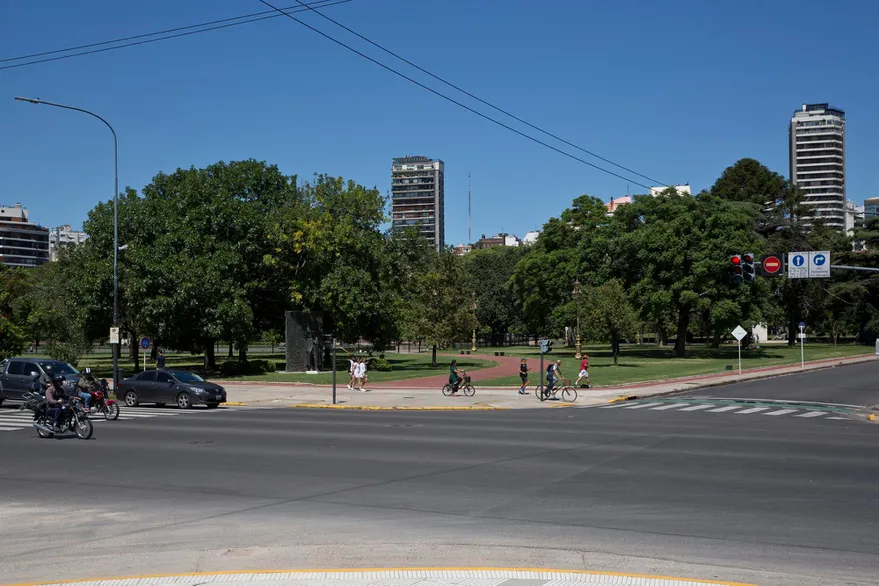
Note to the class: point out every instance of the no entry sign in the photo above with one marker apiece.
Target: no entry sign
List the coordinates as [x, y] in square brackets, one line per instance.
[771, 265]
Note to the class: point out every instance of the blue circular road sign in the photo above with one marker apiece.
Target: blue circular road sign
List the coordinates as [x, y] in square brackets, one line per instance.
[799, 260]
[819, 259]
[145, 343]
[802, 325]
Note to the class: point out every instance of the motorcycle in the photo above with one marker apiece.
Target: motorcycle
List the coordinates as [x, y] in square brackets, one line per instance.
[73, 417]
[101, 401]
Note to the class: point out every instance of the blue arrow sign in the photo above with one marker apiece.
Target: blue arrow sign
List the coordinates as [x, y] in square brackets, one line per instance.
[819, 259]
[145, 343]
[802, 325]
[799, 260]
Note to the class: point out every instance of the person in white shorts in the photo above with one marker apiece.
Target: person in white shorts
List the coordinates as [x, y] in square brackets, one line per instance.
[584, 372]
[351, 365]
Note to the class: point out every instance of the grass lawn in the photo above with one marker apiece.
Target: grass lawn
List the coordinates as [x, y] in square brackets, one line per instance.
[405, 366]
[644, 363]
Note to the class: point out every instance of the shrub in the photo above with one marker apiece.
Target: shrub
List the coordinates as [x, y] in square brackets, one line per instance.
[237, 368]
[380, 365]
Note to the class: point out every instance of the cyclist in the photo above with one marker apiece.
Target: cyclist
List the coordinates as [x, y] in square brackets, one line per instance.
[455, 376]
[553, 373]
[523, 375]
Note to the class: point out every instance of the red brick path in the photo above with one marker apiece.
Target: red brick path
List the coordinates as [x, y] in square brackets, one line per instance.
[507, 366]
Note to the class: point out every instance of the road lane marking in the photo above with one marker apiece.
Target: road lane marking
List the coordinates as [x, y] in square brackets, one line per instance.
[727, 408]
[695, 408]
[752, 410]
[615, 405]
[781, 412]
[672, 406]
[642, 405]
[812, 414]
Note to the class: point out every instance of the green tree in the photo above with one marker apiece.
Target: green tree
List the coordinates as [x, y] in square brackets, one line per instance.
[12, 337]
[438, 309]
[491, 271]
[609, 315]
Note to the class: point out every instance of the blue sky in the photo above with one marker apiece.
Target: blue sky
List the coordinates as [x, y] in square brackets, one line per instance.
[677, 90]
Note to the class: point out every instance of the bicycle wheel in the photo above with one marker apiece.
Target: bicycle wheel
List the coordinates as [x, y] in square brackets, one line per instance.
[538, 392]
[469, 391]
[544, 394]
[447, 390]
[569, 394]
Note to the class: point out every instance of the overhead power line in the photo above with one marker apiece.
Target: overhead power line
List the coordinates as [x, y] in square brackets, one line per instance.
[172, 33]
[477, 98]
[448, 98]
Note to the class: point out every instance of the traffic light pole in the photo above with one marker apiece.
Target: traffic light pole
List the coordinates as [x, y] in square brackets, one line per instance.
[540, 388]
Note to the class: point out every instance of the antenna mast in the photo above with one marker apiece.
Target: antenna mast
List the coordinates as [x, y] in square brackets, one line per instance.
[469, 216]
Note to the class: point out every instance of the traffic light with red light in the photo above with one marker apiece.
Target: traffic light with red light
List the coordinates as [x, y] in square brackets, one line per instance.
[736, 262]
[748, 270]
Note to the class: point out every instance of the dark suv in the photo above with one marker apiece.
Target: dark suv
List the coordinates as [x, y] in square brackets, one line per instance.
[17, 375]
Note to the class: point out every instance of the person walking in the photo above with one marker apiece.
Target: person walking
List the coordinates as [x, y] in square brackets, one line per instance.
[523, 375]
[351, 366]
[160, 359]
[584, 372]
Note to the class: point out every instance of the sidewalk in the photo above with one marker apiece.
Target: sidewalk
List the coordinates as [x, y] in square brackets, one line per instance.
[400, 577]
[419, 397]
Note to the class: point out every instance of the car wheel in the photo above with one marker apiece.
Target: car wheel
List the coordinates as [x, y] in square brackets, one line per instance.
[184, 401]
[213, 405]
[131, 399]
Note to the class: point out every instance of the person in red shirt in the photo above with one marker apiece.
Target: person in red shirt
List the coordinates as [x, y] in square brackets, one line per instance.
[584, 372]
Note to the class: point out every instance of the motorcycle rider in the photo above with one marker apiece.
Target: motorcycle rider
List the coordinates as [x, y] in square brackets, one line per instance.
[56, 400]
[85, 386]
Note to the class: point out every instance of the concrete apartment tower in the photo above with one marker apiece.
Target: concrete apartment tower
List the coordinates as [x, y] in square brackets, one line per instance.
[817, 162]
[418, 197]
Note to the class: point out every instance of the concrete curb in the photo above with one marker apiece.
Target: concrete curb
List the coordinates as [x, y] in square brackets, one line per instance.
[396, 408]
[362, 576]
[815, 366]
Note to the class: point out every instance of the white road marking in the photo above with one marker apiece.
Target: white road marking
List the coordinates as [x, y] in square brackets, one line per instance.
[616, 405]
[752, 410]
[695, 408]
[642, 405]
[727, 408]
[812, 414]
[672, 406]
[781, 412]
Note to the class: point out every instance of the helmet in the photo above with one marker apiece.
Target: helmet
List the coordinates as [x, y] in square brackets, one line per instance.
[87, 371]
[58, 379]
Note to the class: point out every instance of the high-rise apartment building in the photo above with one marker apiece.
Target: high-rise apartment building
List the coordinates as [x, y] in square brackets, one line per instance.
[64, 236]
[817, 162]
[22, 243]
[417, 197]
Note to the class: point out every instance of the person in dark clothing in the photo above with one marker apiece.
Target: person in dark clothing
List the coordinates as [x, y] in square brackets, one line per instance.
[523, 374]
[56, 400]
[160, 359]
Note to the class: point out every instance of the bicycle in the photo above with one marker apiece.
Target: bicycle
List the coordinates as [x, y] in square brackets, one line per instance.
[464, 385]
[569, 393]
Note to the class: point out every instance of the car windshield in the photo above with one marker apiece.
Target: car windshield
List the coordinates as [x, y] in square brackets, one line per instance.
[59, 367]
[187, 377]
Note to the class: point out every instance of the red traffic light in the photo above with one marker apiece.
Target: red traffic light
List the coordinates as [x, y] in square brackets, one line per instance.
[735, 259]
[748, 258]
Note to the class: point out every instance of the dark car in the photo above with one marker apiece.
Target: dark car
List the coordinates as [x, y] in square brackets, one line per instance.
[170, 386]
[17, 375]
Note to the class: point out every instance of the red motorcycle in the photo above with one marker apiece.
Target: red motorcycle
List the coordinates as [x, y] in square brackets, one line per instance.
[101, 401]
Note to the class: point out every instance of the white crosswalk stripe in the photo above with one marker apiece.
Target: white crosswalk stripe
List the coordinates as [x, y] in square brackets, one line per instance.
[11, 420]
[743, 408]
[696, 408]
[781, 412]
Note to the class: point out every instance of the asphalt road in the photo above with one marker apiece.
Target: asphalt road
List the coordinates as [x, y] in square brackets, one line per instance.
[850, 385]
[767, 500]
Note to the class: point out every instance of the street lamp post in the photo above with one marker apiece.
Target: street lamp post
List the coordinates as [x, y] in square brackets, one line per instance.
[115, 223]
[473, 340]
[576, 295]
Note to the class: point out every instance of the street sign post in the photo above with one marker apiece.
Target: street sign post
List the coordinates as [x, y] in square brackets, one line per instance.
[740, 333]
[145, 344]
[819, 264]
[798, 265]
[808, 265]
[771, 265]
[114, 335]
[802, 326]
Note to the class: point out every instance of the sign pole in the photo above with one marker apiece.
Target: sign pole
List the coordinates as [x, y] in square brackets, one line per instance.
[740, 357]
[541, 370]
[334, 370]
[802, 345]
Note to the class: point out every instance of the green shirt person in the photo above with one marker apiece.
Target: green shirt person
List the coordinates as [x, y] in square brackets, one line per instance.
[454, 375]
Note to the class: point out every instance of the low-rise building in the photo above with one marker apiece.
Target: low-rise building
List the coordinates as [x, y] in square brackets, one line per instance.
[22, 243]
